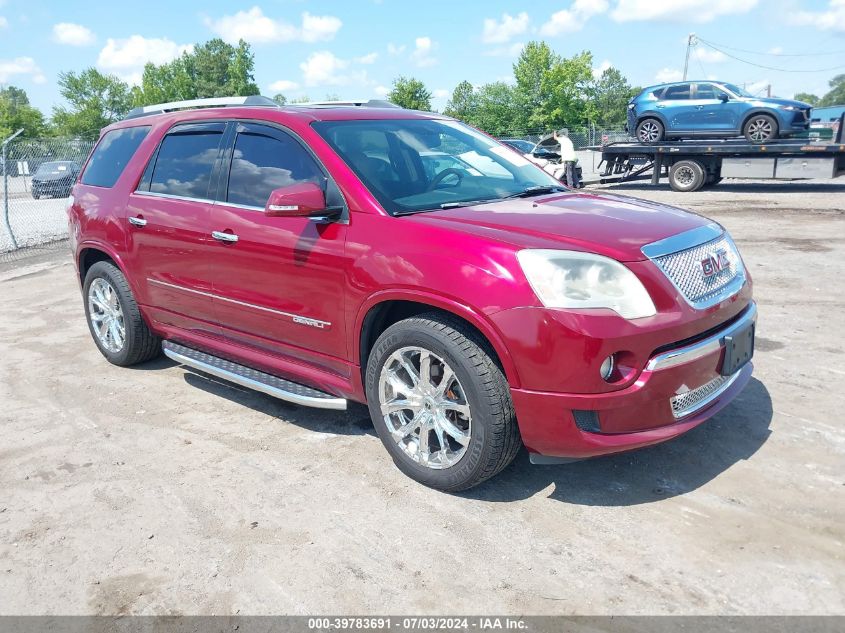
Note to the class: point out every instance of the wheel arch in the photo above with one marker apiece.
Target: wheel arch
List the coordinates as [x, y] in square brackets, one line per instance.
[755, 112]
[89, 253]
[387, 308]
[651, 114]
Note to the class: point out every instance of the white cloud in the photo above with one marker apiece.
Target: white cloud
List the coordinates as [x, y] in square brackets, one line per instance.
[255, 27]
[126, 57]
[369, 58]
[381, 91]
[511, 50]
[73, 34]
[423, 49]
[831, 20]
[20, 66]
[574, 18]
[441, 93]
[504, 31]
[4, 23]
[393, 49]
[324, 68]
[599, 70]
[708, 55]
[678, 10]
[668, 75]
[283, 85]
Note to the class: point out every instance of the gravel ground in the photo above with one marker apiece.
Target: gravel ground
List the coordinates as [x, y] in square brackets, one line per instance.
[32, 221]
[156, 490]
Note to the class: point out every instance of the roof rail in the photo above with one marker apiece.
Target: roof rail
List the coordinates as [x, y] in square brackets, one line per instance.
[363, 103]
[213, 102]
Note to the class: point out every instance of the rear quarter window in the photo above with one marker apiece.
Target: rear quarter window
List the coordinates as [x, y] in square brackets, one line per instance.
[112, 154]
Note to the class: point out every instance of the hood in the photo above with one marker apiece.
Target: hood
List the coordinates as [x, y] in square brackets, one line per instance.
[774, 101]
[610, 225]
[53, 175]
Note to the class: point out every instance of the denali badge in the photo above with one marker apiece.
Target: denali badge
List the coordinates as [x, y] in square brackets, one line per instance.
[715, 263]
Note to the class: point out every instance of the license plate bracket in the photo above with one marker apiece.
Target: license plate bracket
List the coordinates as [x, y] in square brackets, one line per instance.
[739, 349]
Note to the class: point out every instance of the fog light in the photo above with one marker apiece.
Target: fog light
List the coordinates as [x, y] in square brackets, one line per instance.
[606, 369]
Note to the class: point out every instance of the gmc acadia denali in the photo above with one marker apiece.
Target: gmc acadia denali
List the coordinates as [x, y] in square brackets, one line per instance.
[333, 252]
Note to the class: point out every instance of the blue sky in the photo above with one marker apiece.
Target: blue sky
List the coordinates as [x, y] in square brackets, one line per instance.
[356, 48]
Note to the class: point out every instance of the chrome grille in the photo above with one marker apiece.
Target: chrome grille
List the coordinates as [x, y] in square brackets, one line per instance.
[685, 269]
[691, 401]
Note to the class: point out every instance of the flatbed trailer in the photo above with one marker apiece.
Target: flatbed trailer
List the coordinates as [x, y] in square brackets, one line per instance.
[691, 165]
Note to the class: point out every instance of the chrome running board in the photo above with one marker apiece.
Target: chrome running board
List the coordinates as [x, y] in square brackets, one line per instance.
[252, 378]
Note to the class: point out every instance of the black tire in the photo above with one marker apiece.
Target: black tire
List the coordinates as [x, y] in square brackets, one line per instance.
[140, 343]
[650, 131]
[494, 436]
[687, 175]
[760, 128]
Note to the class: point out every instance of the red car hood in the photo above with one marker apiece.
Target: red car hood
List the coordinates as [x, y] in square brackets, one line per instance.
[610, 225]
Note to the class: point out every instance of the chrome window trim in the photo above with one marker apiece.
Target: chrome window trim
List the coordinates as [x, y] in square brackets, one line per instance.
[682, 241]
[296, 318]
[157, 194]
[701, 404]
[704, 347]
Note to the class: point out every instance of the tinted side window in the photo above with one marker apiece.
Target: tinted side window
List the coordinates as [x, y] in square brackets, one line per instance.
[261, 164]
[112, 154]
[705, 91]
[184, 162]
[677, 92]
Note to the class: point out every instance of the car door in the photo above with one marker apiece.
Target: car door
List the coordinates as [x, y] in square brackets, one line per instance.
[278, 281]
[169, 239]
[715, 112]
[675, 105]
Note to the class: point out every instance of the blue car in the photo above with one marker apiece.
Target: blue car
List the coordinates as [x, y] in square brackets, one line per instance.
[712, 109]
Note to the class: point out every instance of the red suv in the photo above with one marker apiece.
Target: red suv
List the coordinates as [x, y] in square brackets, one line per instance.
[328, 253]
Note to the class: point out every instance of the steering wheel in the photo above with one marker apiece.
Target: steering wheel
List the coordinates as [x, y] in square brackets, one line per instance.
[449, 171]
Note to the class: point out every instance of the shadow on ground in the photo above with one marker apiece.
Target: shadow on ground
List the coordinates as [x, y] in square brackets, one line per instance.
[650, 474]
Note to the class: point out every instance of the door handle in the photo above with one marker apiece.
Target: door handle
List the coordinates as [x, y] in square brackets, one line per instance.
[229, 238]
[138, 221]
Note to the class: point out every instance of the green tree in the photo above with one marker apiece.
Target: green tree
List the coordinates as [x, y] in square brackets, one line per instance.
[464, 102]
[497, 107]
[531, 72]
[174, 81]
[610, 95]
[16, 113]
[807, 97]
[410, 93]
[836, 96]
[567, 87]
[95, 100]
[280, 98]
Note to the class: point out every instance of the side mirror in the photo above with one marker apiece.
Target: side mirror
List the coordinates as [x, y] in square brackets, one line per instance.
[296, 201]
[723, 97]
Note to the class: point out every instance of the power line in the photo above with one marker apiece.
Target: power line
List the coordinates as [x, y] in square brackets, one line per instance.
[745, 50]
[782, 70]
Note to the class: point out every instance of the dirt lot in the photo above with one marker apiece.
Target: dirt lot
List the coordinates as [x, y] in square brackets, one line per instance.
[156, 490]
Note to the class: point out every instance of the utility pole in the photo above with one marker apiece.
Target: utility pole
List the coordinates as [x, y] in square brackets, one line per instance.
[6, 188]
[691, 41]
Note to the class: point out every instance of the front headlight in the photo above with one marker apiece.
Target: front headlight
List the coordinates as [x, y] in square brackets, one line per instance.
[789, 108]
[569, 279]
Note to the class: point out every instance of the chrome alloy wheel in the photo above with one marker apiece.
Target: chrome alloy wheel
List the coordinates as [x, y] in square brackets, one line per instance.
[425, 407]
[106, 315]
[649, 132]
[760, 129]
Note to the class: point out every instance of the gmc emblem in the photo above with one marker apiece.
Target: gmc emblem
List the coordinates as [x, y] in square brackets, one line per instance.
[715, 263]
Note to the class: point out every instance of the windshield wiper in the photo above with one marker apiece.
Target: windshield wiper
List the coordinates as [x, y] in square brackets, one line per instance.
[535, 191]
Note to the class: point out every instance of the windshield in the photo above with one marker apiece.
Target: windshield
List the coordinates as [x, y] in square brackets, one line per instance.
[423, 164]
[739, 92]
[53, 168]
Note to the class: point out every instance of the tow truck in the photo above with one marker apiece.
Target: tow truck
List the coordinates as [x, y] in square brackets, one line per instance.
[693, 164]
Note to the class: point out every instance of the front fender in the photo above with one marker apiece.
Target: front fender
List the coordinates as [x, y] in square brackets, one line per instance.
[447, 304]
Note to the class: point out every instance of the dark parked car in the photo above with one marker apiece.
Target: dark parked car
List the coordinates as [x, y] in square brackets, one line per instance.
[404, 260]
[54, 179]
[713, 109]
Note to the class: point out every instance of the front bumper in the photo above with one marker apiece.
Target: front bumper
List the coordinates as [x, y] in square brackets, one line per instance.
[677, 389]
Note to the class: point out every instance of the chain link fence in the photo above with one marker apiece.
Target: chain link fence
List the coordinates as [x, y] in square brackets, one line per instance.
[35, 179]
[581, 137]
